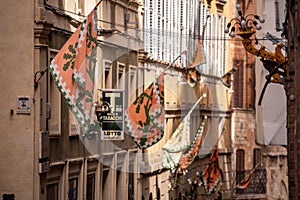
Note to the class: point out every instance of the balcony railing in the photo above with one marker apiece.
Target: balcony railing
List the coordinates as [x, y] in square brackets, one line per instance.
[258, 183]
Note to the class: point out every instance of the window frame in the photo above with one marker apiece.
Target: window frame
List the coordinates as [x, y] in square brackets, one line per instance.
[240, 159]
[77, 184]
[55, 100]
[57, 190]
[89, 175]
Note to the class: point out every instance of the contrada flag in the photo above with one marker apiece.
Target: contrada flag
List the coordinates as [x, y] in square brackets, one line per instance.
[73, 69]
[247, 179]
[188, 157]
[179, 142]
[145, 117]
[212, 174]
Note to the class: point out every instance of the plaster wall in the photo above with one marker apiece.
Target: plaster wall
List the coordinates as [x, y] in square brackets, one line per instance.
[16, 79]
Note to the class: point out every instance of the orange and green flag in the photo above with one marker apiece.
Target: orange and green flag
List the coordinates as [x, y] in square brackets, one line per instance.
[145, 116]
[247, 179]
[73, 70]
[212, 174]
[197, 60]
[188, 157]
[226, 78]
[179, 141]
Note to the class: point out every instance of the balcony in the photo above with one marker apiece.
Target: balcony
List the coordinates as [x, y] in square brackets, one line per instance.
[258, 183]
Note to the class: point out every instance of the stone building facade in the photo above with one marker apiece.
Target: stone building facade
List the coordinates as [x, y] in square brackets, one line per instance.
[54, 163]
[249, 150]
[42, 155]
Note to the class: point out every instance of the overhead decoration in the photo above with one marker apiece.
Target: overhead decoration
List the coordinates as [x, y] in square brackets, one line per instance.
[275, 63]
[188, 157]
[212, 174]
[247, 179]
[191, 76]
[144, 118]
[179, 141]
[227, 76]
[197, 60]
[73, 70]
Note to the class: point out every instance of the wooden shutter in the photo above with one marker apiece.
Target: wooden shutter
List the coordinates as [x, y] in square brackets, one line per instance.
[238, 83]
[256, 156]
[240, 159]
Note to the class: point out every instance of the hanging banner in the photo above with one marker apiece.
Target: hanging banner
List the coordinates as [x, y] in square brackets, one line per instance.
[113, 121]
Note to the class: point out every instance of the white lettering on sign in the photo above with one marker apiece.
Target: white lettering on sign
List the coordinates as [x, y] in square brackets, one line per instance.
[112, 97]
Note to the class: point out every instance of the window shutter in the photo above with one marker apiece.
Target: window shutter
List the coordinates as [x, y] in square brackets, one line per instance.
[240, 159]
[238, 84]
[159, 30]
[166, 30]
[223, 47]
[256, 156]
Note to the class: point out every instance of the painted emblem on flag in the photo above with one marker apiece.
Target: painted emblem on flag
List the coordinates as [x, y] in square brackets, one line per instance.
[212, 174]
[145, 116]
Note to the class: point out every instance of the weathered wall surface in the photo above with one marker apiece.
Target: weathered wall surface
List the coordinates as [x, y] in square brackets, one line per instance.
[16, 79]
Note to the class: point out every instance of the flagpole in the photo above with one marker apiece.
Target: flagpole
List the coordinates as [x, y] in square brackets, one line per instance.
[184, 52]
[248, 175]
[98, 4]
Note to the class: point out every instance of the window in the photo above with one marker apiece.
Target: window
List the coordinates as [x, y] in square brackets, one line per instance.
[132, 84]
[113, 14]
[158, 193]
[167, 26]
[223, 45]
[238, 84]
[105, 181]
[150, 196]
[73, 189]
[107, 75]
[90, 187]
[240, 165]
[256, 157]
[240, 159]
[72, 125]
[179, 196]
[131, 182]
[279, 15]
[121, 76]
[52, 191]
[214, 49]
[55, 102]
[80, 7]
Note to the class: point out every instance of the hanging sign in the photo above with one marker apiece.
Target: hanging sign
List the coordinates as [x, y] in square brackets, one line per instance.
[113, 121]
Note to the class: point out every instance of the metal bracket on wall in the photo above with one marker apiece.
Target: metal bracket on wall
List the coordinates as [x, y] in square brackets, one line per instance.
[38, 78]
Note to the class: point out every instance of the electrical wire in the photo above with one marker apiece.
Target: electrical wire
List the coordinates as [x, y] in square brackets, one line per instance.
[151, 31]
